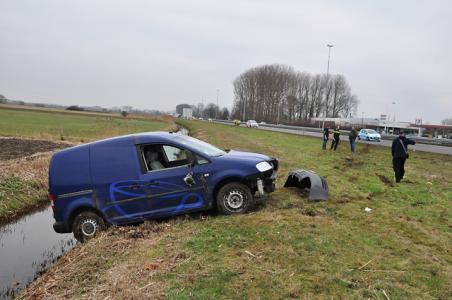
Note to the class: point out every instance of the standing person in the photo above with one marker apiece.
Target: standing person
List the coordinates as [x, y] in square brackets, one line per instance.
[336, 138]
[400, 154]
[326, 136]
[352, 137]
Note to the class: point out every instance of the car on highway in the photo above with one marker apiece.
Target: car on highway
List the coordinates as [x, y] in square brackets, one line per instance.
[369, 135]
[132, 178]
[252, 124]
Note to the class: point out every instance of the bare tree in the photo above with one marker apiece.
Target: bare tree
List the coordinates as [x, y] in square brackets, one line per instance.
[211, 110]
[274, 93]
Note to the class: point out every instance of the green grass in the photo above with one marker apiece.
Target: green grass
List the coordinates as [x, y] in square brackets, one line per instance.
[315, 250]
[70, 126]
[16, 193]
[292, 248]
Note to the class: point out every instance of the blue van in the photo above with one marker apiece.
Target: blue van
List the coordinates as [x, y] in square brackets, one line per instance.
[131, 178]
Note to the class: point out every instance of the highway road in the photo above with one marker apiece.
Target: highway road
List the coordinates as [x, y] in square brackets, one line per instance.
[385, 143]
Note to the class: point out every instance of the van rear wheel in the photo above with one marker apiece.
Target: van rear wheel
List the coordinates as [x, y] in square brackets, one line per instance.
[234, 198]
[86, 224]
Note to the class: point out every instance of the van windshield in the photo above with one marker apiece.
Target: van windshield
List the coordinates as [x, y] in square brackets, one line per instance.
[200, 146]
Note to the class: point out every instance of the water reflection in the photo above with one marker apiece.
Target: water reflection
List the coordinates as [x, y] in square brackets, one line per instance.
[28, 247]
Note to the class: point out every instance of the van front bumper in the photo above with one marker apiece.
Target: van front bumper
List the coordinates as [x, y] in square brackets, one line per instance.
[262, 183]
[61, 227]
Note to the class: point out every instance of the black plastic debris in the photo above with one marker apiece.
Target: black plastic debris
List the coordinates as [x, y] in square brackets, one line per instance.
[303, 179]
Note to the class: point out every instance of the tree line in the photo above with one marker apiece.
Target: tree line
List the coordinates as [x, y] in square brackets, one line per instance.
[276, 93]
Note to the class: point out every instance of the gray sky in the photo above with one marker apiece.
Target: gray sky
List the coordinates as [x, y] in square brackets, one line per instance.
[156, 54]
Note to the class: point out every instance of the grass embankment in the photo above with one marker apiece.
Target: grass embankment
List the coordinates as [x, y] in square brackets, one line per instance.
[289, 247]
[23, 176]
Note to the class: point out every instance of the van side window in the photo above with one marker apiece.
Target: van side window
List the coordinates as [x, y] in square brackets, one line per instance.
[201, 160]
[174, 154]
[157, 157]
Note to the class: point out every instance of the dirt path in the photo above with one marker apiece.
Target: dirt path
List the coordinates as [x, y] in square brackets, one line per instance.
[12, 148]
[24, 165]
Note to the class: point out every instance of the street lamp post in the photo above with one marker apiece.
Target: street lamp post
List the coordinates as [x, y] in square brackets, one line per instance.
[327, 78]
[218, 108]
[394, 115]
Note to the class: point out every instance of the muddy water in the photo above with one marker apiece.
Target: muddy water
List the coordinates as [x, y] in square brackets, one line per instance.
[29, 246]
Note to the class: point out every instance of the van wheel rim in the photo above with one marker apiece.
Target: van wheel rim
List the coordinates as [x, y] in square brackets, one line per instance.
[235, 199]
[89, 227]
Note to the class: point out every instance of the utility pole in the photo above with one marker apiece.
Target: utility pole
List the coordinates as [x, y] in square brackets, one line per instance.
[327, 79]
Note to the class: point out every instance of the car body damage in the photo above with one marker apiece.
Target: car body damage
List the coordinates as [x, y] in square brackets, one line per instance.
[303, 179]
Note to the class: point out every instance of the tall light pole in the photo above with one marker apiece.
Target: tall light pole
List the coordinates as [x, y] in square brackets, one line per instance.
[218, 107]
[393, 103]
[327, 78]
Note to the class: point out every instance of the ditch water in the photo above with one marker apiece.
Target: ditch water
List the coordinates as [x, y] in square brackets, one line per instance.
[28, 246]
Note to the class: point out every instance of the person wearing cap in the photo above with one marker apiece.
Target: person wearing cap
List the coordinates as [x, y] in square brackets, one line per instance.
[400, 154]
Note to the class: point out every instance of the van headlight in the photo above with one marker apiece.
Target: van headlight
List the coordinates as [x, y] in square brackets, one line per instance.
[264, 166]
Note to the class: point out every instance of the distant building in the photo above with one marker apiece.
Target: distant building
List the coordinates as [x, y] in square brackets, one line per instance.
[187, 113]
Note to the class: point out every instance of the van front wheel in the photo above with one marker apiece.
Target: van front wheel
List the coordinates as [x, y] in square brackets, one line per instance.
[86, 224]
[234, 198]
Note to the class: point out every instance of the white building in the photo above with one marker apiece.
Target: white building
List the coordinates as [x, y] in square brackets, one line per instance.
[187, 113]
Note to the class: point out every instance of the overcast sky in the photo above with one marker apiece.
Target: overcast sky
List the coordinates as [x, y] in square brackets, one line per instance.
[156, 54]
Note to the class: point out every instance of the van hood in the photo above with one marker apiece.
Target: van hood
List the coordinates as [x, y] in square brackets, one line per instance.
[245, 156]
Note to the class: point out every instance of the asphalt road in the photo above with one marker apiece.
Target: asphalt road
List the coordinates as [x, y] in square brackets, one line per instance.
[384, 143]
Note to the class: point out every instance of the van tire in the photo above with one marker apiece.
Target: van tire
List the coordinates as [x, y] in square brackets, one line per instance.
[86, 225]
[234, 198]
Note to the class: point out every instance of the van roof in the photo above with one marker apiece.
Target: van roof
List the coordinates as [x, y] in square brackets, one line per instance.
[138, 138]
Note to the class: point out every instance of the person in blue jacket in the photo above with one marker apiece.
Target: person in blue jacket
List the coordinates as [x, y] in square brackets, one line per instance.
[400, 154]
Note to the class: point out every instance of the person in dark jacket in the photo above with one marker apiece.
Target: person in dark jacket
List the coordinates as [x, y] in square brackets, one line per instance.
[400, 154]
[352, 138]
[336, 138]
[326, 136]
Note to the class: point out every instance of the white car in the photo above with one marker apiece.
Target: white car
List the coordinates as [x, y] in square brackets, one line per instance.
[369, 135]
[252, 124]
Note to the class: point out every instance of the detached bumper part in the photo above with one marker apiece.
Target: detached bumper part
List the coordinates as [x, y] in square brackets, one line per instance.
[307, 179]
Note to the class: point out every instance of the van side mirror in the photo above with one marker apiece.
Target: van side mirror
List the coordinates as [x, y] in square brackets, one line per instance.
[191, 159]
